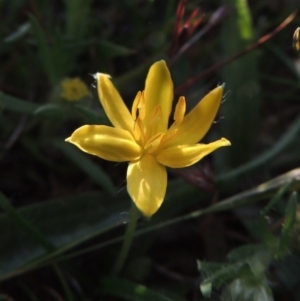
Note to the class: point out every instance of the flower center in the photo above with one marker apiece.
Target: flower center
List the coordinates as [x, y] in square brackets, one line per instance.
[147, 135]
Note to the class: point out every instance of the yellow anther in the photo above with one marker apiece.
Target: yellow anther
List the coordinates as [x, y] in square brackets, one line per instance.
[153, 143]
[135, 105]
[296, 40]
[155, 116]
[142, 107]
[179, 110]
[139, 130]
[169, 135]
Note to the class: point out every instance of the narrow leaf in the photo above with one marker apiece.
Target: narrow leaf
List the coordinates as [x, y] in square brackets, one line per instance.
[269, 155]
[242, 108]
[276, 197]
[44, 48]
[23, 224]
[48, 109]
[14, 104]
[289, 219]
[85, 164]
[64, 222]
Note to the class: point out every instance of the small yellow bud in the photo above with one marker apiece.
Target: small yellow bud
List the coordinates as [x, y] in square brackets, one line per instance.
[73, 89]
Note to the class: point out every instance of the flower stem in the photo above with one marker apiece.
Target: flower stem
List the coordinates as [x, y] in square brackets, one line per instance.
[129, 233]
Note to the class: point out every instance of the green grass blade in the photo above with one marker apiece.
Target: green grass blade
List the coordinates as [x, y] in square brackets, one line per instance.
[276, 198]
[285, 140]
[289, 219]
[64, 222]
[24, 225]
[88, 166]
[45, 50]
[241, 109]
[77, 17]
[181, 192]
[14, 104]
[61, 277]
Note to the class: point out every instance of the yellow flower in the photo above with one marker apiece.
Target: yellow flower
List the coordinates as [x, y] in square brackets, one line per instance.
[142, 137]
[73, 89]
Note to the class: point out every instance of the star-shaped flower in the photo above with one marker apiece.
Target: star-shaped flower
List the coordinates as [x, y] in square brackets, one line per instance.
[143, 138]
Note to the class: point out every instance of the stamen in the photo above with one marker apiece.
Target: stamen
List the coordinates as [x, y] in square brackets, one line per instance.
[153, 143]
[142, 107]
[139, 130]
[155, 116]
[179, 110]
[154, 120]
[169, 135]
[135, 105]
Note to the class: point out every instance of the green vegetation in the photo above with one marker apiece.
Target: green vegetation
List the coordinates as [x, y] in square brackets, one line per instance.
[229, 228]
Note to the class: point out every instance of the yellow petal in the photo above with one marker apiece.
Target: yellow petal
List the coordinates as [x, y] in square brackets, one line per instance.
[106, 142]
[186, 155]
[112, 103]
[158, 92]
[198, 121]
[147, 184]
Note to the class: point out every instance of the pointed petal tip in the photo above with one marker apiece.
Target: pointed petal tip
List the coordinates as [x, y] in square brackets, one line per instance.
[225, 142]
[219, 89]
[68, 140]
[98, 75]
[160, 62]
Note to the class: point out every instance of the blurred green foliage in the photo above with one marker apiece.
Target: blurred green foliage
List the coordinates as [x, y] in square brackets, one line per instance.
[63, 211]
